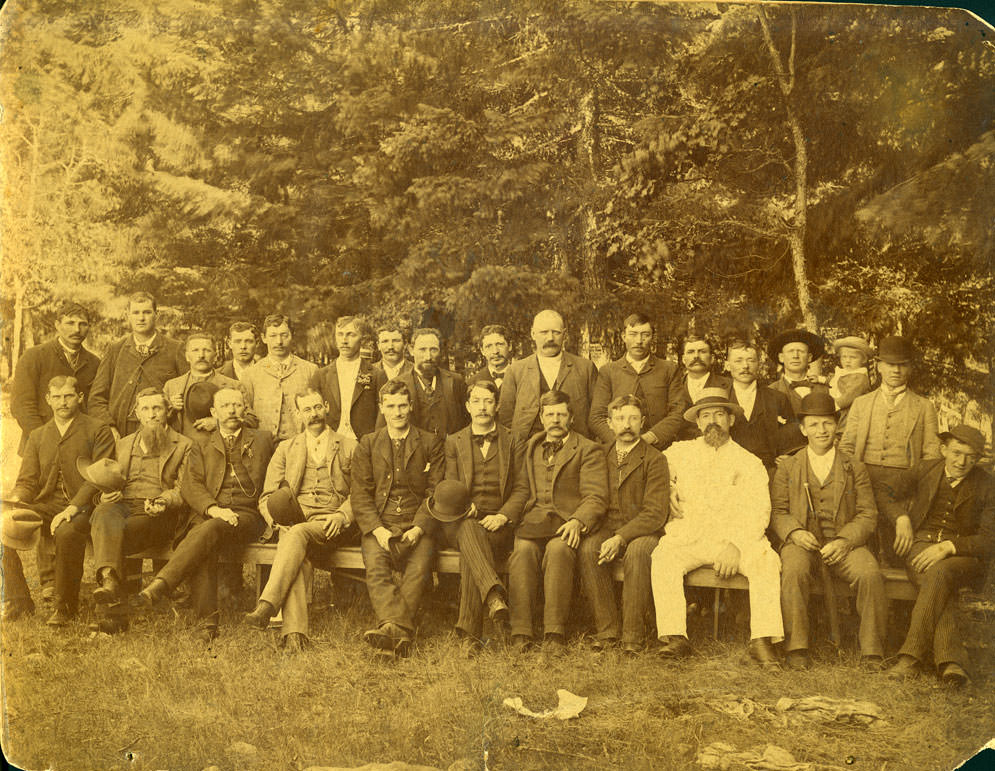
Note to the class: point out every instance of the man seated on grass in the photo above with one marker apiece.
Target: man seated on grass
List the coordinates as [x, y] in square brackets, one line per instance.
[823, 508]
[394, 470]
[568, 494]
[947, 540]
[224, 478]
[639, 499]
[143, 514]
[306, 494]
[719, 510]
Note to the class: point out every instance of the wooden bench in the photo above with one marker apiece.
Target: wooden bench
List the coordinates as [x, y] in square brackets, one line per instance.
[350, 558]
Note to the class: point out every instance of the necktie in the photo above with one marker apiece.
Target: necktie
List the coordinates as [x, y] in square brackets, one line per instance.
[621, 455]
[490, 436]
[143, 350]
[549, 450]
[800, 384]
[229, 441]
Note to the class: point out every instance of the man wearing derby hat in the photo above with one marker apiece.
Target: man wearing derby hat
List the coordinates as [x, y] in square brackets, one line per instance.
[50, 483]
[394, 470]
[719, 510]
[795, 350]
[822, 508]
[191, 394]
[20, 530]
[890, 430]
[142, 508]
[306, 495]
[947, 540]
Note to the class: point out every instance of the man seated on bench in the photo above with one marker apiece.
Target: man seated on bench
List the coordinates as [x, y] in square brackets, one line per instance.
[947, 540]
[639, 488]
[224, 478]
[822, 508]
[145, 513]
[719, 510]
[394, 470]
[307, 495]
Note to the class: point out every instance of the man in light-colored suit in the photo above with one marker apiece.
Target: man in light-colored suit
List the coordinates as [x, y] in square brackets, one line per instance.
[550, 368]
[891, 430]
[350, 380]
[272, 382]
[306, 493]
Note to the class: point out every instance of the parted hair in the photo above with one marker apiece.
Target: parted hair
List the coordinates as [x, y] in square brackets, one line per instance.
[492, 329]
[142, 297]
[637, 320]
[198, 334]
[277, 320]
[551, 398]
[150, 391]
[305, 392]
[487, 385]
[738, 343]
[426, 331]
[243, 326]
[392, 387]
[61, 381]
[361, 326]
[68, 309]
[695, 337]
[390, 326]
[626, 400]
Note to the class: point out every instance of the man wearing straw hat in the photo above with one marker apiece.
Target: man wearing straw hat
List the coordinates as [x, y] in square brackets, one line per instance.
[50, 484]
[719, 510]
[823, 510]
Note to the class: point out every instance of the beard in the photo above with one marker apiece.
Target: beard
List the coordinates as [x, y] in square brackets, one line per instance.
[715, 435]
[153, 437]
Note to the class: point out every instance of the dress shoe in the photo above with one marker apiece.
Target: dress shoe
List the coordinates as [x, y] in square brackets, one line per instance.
[61, 617]
[110, 625]
[599, 644]
[798, 660]
[154, 593]
[109, 590]
[553, 644]
[872, 663]
[386, 637]
[906, 667]
[631, 649]
[954, 675]
[497, 610]
[15, 609]
[763, 653]
[521, 643]
[676, 646]
[259, 618]
[295, 642]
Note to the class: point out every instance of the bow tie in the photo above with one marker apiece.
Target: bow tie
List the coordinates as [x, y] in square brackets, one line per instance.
[550, 448]
[801, 384]
[490, 436]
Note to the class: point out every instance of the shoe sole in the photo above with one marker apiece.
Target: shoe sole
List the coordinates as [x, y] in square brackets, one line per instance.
[381, 641]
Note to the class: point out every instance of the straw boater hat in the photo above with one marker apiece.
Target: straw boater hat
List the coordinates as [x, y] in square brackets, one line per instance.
[104, 474]
[857, 343]
[712, 397]
[816, 346]
[21, 528]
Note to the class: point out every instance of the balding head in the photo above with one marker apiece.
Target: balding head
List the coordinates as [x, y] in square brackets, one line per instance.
[547, 332]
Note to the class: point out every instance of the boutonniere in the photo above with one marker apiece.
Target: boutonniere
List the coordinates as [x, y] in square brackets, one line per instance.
[364, 380]
[146, 351]
[247, 451]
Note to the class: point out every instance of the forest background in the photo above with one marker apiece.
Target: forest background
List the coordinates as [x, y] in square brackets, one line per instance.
[453, 163]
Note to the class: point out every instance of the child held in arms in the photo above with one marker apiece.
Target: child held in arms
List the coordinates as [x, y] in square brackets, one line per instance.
[850, 379]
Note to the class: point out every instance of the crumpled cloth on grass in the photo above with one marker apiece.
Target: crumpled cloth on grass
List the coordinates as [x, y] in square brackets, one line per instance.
[772, 758]
[850, 711]
[737, 706]
[571, 705]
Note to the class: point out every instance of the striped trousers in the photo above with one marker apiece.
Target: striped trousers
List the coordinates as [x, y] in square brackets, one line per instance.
[477, 574]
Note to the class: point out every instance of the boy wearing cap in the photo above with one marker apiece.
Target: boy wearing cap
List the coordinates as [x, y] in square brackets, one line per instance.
[947, 540]
[822, 508]
[850, 379]
[890, 430]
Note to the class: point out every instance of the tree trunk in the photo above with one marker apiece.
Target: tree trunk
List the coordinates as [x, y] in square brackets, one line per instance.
[15, 336]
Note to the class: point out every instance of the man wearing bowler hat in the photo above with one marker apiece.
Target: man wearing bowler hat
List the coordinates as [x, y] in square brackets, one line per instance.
[890, 430]
[50, 484]
[306, 495]
[20, 530]
[394, 470]
[794, 351]
[191, 394]
[719, 511]
[822, 508]
[947, 539]
[144, 509]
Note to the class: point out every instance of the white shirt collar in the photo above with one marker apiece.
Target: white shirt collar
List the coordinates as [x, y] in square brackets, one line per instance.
[150, 342]
[63, 426]
[638, 366]
[822, 465]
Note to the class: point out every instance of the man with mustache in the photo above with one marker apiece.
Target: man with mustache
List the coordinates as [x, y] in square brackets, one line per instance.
[639, 499]
[201, 354]
[795, 350]
[224, 478]
[438, 396]
[273, 381]
[550, 368]
[145, 513]
[348, 384]
[50, 484]
[719, 510]
[306, 494]
[242, 342]
[823, 509]
[656, 382]
[568, 495]
[392, 364]
[496, 352]
[697, 358]
[145, 358]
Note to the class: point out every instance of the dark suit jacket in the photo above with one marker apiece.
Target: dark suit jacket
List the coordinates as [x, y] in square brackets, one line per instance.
[172, 463]
[690, 430]
[771, 427]
[792, 437]
[974, 505]
[519, 404]
[641, 487]
[373, 474]
[580, 487]
[452, 391]
[208, 461]
[660, 387]
[35, 367]
[364, 406]
[485, 374]
[47, 451]
[856, 512]
[513, 478]
[123, 373]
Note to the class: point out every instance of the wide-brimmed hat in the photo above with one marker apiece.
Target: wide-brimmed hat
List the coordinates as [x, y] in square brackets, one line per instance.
[450, 502]
[857, 343]
[283, 507]
[896, 350]
[816, 345]
[817, 403]
[21, 528]
[199, 399]
[712, 397]
[104, 474]
[969, 435]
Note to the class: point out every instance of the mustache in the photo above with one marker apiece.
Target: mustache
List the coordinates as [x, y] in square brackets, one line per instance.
[715, 435]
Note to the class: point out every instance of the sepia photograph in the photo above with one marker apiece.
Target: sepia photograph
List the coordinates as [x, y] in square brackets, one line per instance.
[470, 385]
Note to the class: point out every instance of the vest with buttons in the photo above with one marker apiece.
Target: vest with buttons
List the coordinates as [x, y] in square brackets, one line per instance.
[431, 410]
[485, 489]
[886, 445]
[402, 503]
[143, 475]
[822, 499]
[941, 516]
[316, 484]
[238, 491]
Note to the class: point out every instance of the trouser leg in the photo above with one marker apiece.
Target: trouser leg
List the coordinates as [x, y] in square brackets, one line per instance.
[107, 524]
[762, 569]
[796, 589]
[70, 549]
[478, 576]
[202, 539]
[295, 615]
[670, 562]
[637, 588]
[861, 571]
[389, 604]
[417, 573]
[885, 481]
[15, 587]
[45, 553]
[558, 564]
[599, 585]
[523, 584]
[291, 552]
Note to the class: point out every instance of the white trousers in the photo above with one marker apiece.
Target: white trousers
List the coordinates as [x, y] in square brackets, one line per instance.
[673, 559]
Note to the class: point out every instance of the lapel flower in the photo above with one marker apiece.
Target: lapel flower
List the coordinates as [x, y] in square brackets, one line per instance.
[364, 381]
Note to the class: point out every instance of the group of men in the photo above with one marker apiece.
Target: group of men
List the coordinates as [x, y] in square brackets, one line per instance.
[544, 463]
